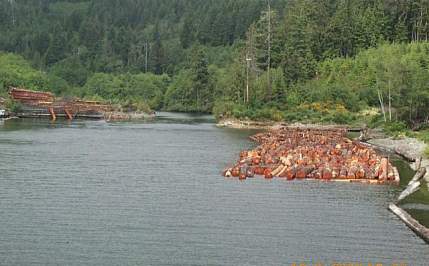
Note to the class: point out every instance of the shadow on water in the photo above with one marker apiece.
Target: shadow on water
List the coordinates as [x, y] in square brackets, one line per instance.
[417, 204]
[38, 124]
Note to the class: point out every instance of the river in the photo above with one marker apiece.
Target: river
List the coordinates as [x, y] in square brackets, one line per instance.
[91, 192]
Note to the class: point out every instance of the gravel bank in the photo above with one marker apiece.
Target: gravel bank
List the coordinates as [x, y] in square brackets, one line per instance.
[410, 148]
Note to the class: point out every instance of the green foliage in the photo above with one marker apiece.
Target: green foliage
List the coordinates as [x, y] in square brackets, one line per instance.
[300, 60]
[136, 105]
[15, 71]
[223, 109]
[192, 89]
[400, 70]
[71, 70]
[12, 106]
[395, 128]
[128, 89]
[178, 95]
[113, 35]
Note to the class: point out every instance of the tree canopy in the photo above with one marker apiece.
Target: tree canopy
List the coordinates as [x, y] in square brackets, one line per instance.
[325, 59]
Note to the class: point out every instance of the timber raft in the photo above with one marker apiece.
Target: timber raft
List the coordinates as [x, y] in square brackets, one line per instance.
[308, 153]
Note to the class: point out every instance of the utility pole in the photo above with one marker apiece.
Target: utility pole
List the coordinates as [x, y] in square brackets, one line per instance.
[248, 59]
[269, 51]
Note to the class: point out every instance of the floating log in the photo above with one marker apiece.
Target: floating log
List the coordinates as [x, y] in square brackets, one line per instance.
[414, 184]
[419, 229]
[421, 172]
[413, 187]
[268, 174]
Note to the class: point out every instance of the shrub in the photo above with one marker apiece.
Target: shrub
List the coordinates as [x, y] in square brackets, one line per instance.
[223, 109]
[395, 128]
[13, 106]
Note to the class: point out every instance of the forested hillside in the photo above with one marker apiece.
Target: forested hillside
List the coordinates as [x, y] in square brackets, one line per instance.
[278, 59]
[121, 35]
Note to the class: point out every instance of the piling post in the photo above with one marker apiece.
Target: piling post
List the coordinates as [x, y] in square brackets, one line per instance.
[69, 114]
[53, 115]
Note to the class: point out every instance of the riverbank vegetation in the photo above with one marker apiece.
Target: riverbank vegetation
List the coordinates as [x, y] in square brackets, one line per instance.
[343, 61]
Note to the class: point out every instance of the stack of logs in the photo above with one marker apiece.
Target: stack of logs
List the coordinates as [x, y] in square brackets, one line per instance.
[313, 154]
[31, 97]
[46, 100]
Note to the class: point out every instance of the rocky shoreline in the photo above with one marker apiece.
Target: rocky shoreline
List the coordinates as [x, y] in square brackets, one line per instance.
[127, 116]
[272, 125]
[247, 124]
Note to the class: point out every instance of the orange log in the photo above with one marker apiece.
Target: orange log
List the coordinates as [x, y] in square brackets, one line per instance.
[282, 173]
[360, 174]
[243, 155]
[52, 112]
[235, 172]
[69, 114]
[256, 161]
[327, 174]
[276, 171]
[384, 165]
[268, 174]
[242, 176]
[291, 173]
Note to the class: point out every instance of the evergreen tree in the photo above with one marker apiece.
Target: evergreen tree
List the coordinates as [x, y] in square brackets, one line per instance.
[299, 61]
[158, 52]
[200, 80]
[56, 49]
[187, 34]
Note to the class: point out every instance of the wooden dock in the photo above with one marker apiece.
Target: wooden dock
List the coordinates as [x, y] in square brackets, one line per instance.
[44, 104]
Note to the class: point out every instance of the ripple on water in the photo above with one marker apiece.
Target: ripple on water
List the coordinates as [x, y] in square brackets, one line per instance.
[133, 193]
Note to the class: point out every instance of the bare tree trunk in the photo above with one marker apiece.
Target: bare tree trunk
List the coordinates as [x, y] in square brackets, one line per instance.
[198, 99]
[246, 99]
[420, 22]
[381, 101]
[390, 102]
[12, 2]
[146, 46]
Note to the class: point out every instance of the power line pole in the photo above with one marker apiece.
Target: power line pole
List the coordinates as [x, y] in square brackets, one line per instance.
[248, 59]
[269, 51]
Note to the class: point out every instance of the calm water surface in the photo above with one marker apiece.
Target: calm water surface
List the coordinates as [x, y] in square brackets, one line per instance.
[100, 193]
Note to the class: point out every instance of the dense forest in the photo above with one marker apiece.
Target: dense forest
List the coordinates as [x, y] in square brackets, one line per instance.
[326, 60]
